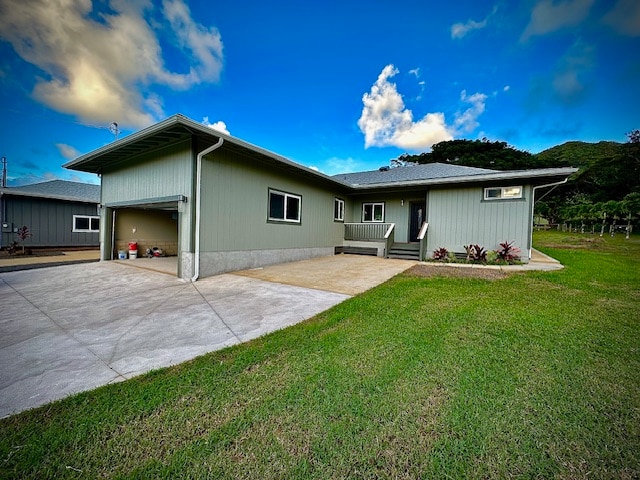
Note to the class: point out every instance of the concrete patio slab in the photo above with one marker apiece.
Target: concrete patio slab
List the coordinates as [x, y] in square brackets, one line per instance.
[346, 274]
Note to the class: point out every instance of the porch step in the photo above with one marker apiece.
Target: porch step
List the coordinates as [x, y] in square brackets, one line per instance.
[405, 251]
[356, 250]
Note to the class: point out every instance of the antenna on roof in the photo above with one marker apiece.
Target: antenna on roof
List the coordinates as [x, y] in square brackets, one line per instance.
[113, 128]
[4, 172]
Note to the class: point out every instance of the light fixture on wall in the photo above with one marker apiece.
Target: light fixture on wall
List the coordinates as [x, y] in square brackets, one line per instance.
[402, 203]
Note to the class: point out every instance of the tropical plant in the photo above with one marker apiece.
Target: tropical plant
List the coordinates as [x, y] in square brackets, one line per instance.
[508, 252]
[476, 253]
[23, 233]
[441, 254]
[631, 207]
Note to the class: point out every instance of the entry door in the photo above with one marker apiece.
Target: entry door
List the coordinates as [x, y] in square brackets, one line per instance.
[417, 212]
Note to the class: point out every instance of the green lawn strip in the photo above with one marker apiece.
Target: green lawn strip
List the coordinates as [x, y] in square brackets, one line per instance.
[534, 375]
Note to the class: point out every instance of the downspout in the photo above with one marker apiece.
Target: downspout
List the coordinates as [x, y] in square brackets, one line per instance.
[196, 266]
[533, 206]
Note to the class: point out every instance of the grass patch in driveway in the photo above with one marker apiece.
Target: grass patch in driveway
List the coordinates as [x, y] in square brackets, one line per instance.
[530, 375]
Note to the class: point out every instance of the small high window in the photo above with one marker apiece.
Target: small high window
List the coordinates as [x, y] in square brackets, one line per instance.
[284, 207]
[502, 193]
[372, 212]
[86, 223]
[338, 210]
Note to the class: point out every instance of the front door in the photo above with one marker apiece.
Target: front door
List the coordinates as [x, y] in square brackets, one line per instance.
[416, 218]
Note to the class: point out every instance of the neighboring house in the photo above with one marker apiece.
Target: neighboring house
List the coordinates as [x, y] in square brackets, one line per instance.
[221, 204]
[57, 213]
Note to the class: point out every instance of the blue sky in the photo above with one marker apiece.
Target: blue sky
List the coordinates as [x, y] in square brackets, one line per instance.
[338, 86]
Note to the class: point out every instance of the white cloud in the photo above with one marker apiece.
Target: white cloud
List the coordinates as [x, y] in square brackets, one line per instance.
[101, 71]
[415, 71]
[314, 168]
[67, 151]
[219, 126]
[459, 30]
[385, 120]
[548, 16]
[506, 88]
[624, 18]
[467, 121]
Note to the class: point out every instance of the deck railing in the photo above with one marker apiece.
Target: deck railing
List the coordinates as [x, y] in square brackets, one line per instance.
[366, 231]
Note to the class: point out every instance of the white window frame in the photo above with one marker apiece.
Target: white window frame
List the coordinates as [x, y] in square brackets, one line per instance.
[373, 212]
[285, 196]
[504, 193]
[338, 209]
[86, 230]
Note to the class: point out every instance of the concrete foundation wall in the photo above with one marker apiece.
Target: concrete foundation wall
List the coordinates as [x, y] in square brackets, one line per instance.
[214, 263]
[186, 265]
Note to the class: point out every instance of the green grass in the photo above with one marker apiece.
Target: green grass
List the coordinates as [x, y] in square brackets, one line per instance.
[533, 376]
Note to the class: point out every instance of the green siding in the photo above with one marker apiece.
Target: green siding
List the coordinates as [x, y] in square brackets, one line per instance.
[164, 172]
[459, 217]
[234, 208]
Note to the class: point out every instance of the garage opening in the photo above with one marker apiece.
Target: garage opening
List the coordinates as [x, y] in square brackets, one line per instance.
[154, 230]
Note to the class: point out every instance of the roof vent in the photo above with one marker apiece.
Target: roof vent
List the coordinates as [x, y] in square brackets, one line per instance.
[383, 169]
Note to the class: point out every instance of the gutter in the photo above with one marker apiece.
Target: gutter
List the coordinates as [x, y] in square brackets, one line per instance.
[196, 267]
[533, 205]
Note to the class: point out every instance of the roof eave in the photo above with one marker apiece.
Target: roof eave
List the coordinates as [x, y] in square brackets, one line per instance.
[179, 119]
[22, 193]
[547, 173]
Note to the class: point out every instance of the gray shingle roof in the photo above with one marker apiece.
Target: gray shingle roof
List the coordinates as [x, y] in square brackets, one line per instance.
[429, 171]
[59, 189]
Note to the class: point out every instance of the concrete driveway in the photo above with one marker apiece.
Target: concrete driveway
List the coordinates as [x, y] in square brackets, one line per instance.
[72, 328]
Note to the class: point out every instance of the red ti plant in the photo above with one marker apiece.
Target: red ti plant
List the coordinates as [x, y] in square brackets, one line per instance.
[508, 252]
[476, 253]
[441, 254]
[23, 233]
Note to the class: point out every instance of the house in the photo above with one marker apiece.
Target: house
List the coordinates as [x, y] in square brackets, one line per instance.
[58, 213]
[221, 204]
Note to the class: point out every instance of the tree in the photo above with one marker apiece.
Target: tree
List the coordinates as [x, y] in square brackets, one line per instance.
[475, 153]
[23, 233]
[631, 207]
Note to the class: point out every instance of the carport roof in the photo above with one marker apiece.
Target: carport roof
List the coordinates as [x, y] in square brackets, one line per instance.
[178, 128]
[175, 129]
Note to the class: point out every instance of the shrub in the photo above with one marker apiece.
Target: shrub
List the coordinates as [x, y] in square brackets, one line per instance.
[508, 252]
[476, 253]
[441, 254]
[23, 233]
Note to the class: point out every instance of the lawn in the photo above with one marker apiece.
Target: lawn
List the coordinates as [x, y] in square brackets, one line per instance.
[534, 375]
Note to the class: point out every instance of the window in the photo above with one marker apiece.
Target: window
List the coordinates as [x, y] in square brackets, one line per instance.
[338, 210]
[86, 223]
[373, 212]
[284, 207]
[502, 193]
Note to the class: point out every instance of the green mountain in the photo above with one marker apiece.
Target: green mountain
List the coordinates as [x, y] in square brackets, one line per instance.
[578, 154]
